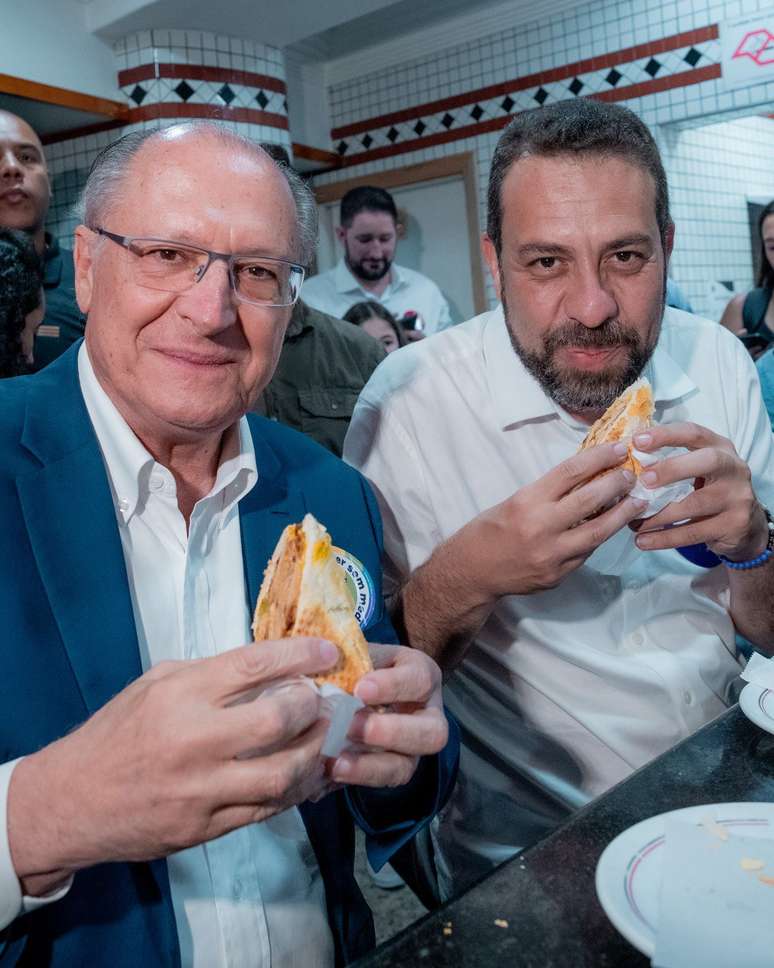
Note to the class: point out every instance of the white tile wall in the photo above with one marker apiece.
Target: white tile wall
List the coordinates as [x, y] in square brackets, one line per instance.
[712, 170]
[197, 47]
[600, 27]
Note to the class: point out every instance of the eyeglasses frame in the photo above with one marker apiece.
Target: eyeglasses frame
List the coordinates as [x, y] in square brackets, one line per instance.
[125, 241]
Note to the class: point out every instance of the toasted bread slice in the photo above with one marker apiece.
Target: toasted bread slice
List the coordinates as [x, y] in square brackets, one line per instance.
[304, 592]
[627, 415]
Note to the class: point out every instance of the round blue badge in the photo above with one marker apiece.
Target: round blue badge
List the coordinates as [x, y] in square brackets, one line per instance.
[360, 586]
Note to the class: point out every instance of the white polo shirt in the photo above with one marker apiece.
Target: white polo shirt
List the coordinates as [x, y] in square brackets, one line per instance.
[563, 692]
[334, 291]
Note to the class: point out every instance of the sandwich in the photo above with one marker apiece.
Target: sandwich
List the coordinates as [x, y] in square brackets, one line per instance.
[627, 415]
[304, 592]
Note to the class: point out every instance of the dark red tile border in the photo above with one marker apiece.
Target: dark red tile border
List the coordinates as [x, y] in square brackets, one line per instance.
[199, 72]
[531, 80]
[683, 79]
[219, 112]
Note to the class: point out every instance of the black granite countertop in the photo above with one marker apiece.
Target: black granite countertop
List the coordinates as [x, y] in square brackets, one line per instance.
[547, 893]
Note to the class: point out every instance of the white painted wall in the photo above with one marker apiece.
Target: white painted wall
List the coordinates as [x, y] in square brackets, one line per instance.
[47, 41]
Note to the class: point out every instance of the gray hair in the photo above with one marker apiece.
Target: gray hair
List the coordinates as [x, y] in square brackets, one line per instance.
[576, 127]
[106, 179]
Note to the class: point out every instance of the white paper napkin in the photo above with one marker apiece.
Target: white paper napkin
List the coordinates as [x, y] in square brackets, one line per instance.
[716, 900]
[761, 672]
[659, 497]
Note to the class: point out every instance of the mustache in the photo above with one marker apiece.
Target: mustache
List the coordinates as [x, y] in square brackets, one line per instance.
[611, 333]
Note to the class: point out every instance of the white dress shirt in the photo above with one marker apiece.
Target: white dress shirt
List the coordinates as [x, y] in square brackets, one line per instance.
[334, 291]
[254, 897]
[563, 692]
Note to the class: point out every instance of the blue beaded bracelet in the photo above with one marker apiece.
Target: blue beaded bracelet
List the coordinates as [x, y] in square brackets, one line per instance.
[762, 558]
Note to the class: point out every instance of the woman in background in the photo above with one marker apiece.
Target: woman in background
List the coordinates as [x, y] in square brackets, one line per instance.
[377, 322]
[22, 303]
[751, 315]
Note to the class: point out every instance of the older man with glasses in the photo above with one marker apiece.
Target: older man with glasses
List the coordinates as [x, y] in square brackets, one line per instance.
[157, 804]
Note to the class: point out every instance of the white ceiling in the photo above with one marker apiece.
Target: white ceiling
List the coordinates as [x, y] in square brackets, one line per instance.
[318, 29]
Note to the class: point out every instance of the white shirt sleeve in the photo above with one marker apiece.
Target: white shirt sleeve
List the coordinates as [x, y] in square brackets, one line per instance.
[12, 901]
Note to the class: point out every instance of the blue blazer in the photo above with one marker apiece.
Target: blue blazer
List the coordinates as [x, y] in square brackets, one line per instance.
[69, 645]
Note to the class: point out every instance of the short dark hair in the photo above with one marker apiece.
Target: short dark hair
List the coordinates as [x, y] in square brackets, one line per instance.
[359, 312]
[21, 276]
[366, 198]
[765, 278]
[576, 127]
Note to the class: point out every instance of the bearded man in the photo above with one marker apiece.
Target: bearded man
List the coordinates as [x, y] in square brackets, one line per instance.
[369, 236]
[576, 648]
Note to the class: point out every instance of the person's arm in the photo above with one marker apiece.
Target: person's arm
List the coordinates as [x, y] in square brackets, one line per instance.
[526, 544]
[182, 738]
[724, 513]
[732, 315]
[12, 901]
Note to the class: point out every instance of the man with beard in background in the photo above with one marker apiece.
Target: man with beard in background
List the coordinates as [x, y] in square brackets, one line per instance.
[369, 234]
[576, 648]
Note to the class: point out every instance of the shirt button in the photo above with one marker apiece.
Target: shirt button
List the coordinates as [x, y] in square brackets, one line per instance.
[334, 406]
[156, 483]
[688, 697]
[123, 504]
[638, 638]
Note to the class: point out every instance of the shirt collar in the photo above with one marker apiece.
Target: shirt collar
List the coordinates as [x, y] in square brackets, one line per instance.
[345, 281]
[505, 371]
[129, 464]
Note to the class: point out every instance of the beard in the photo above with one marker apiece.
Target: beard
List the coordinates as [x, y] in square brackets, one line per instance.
[373, 273]
[579, 391]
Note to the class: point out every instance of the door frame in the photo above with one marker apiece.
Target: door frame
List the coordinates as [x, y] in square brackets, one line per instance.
[461, 165]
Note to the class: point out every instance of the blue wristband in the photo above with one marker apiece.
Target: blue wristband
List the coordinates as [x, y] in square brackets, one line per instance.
[752, 563]
[766, 555]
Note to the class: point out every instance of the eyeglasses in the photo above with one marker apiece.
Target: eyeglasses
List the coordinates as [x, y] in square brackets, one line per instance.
[175, 267]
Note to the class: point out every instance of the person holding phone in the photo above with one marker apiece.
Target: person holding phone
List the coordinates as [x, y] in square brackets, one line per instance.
[751, 315]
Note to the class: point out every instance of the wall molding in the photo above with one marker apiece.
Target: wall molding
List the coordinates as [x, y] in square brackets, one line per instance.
[61, 96]
[680, 60]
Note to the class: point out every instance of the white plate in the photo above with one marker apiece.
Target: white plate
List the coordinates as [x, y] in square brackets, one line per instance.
[628, 878]
[757, 703]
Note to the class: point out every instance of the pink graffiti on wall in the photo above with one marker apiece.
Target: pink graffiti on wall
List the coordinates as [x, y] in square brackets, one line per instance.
[758, 45]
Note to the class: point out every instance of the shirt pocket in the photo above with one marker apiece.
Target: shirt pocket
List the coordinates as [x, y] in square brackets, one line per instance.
[325, 414]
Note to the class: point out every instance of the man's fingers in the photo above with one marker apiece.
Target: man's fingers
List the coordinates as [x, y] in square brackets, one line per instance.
[374, 769]
[587, 537]
[682, 433]
[285, 777]
[269, 722]
[589, 498]
[413, 677]
[579, 468]
[681, 536]
[708, 463]
[417, 734]
[231, 673]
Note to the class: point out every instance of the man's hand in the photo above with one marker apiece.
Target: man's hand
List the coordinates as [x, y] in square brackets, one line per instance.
[722, 512]
[528, 543]
[408, 683]
[162, 766]
[534, 539]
